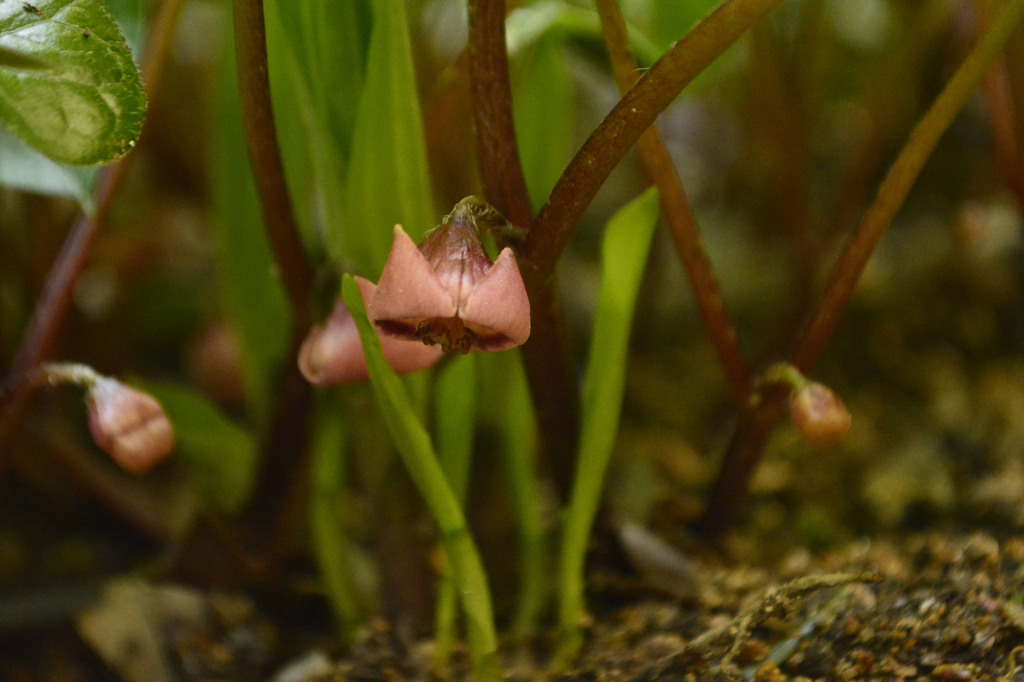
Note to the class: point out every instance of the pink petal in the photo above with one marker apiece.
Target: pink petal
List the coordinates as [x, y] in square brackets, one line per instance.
[498, 307]
[333, 354]
[129, 425]
[409, 290]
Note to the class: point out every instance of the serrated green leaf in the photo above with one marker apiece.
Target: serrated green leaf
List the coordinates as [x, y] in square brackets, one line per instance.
[387, 180]
[81, 101]
[219, 454]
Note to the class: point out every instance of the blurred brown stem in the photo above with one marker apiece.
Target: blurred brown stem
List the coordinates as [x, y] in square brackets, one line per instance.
[275, 506]
[676, 209]
[504, 184]
[52, 306]
[554, 389]
[265, 158]
[634, 113]
[1006, 145]
[761, 412]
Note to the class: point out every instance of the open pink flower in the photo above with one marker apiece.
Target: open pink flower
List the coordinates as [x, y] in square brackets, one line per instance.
[332, 354]
[447, 292]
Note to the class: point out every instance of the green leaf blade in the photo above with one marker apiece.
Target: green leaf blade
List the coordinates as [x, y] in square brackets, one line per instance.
[219, 454]
[252, 298]
[624, 250]
[77, 96]
[417, 453]
[387, 180]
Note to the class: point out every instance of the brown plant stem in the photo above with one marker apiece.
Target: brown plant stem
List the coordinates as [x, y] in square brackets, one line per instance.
[779, 104]
[131, 504]
[897, 184]
[275, 505]
[892, 112]
[1006, 145]
[52, 306]
[265, 158]
[676, 209]
[552, 385]
[502, 173]
[762, 412]
[634, 113]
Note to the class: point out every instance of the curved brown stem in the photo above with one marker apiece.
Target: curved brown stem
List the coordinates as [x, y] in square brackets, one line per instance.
[552, 385]
[759, 416]
[1006, 145]
[265, 158]
[897, 184]
[634, 113]
[676, 209]
[275, 506]
[52, 307]
[504, 184]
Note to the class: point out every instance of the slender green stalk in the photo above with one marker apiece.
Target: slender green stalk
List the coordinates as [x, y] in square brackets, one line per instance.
[329, 539]
[627, 240]
[454, 422]
[417, 453]
[519, 436]
[634, 113]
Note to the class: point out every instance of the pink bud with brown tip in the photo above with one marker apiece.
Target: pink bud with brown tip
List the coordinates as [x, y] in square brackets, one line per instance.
[129, 425]
[819, 415]
[332, 354]
[448, 292]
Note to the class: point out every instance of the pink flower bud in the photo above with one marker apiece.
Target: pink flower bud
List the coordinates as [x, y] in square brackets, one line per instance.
[332, 354]
[819, 415]
[129, 425]
[447, 292]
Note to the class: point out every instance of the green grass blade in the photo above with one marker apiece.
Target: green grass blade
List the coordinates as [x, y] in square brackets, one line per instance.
[387, 181]
[417, 453]
[218, 454]
[627, 240]
[317, 53]
[545, 114]
[455, 419]
[329, 538]
[519, 435]
[454, 423]
[252, 297]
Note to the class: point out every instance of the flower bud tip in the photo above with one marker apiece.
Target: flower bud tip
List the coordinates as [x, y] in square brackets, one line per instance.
[819, 415]
[129, 425]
